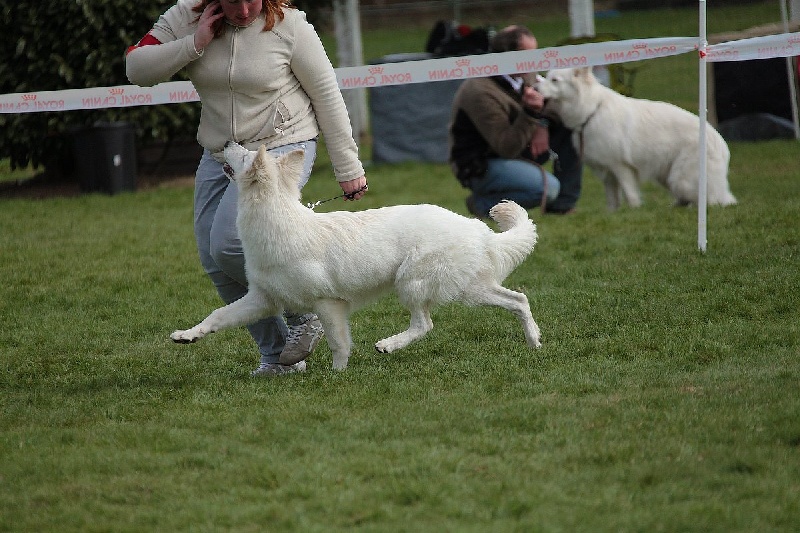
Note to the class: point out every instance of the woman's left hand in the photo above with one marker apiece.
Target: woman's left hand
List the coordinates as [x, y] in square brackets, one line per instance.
[354, 189]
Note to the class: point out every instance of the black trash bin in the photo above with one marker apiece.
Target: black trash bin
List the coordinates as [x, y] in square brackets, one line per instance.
[105, 157]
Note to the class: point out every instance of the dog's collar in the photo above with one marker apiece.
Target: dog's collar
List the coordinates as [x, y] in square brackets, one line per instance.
[590, 117]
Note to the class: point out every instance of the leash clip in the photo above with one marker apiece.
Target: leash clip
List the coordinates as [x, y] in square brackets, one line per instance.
[554, 157]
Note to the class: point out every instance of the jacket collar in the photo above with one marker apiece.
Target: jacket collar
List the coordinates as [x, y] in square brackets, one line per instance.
[505, 84]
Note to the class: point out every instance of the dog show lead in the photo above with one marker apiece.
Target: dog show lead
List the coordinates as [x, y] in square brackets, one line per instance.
[263, 78]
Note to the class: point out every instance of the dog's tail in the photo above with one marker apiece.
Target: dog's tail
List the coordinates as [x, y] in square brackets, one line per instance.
[518, 235]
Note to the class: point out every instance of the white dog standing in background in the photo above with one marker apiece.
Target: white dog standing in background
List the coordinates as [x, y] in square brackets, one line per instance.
[625, 140]
[334, 263]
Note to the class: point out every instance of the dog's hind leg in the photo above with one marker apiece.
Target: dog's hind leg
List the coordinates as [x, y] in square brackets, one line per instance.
[516, 302]
[334, 315]
[420, 325]
[248, 309]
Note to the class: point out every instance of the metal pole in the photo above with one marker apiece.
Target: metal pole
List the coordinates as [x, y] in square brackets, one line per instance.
[581, 18]
[791, 75]
[702, 193]
[347, 26]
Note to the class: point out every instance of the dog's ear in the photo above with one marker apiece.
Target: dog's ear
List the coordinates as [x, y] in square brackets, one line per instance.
[261, 158]
[585, 75]
[291, 165]
[582, 72]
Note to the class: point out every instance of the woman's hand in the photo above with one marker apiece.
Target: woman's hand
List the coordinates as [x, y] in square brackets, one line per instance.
[354, 189]
[205, 25]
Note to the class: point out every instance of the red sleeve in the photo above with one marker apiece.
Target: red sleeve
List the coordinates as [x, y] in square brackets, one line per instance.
[145, 41]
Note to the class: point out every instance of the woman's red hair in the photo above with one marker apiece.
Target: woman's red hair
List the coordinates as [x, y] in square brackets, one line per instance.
[273, 11]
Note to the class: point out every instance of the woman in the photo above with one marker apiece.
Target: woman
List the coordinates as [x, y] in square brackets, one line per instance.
[263, 78]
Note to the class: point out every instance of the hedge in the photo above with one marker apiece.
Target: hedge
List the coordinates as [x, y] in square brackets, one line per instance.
[73, 44]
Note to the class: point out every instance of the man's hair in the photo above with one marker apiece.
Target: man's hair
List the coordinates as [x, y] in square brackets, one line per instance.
[507, 39]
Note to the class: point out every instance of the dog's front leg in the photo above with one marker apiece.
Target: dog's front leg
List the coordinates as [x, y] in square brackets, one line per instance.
[248, 309]
[334, 315]
[629, 183]
[611, 188]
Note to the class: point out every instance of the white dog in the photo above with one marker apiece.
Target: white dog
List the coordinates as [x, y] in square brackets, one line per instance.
[625, 140]
[334, 263]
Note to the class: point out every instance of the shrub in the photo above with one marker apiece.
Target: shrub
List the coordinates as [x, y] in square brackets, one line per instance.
[74, 44]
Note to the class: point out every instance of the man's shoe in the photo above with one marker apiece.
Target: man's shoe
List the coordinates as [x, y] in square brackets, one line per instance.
[301, 341]
[277, 369]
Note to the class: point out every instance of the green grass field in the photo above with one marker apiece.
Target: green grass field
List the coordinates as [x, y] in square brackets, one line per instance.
[664, 397]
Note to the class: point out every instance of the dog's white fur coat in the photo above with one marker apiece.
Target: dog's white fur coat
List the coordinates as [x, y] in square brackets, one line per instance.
[625, 140]
[334, 263]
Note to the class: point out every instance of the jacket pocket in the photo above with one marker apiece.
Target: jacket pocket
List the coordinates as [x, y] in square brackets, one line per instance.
[284, 116]
[280, 118]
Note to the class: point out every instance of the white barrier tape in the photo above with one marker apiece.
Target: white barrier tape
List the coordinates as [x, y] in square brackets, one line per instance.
[428, 70]
[769, 46]
[462, 67]
[478, 66]
[172, 92]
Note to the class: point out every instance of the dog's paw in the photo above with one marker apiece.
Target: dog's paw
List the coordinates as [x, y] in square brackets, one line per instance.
[340, 361]
[383, 346]
[184, 337]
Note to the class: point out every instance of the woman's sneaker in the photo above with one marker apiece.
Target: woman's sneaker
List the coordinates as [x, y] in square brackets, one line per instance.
[301, 340]
[277, 369]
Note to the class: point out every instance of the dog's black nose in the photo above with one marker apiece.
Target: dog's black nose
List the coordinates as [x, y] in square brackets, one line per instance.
[228, 143]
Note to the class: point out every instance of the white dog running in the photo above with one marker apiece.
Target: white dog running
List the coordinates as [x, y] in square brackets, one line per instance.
[625, 140]
[334, 263]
